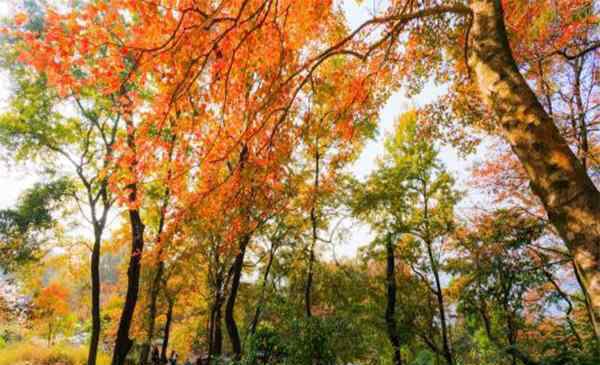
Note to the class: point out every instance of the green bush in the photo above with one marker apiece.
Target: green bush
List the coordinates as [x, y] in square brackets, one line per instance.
[312, 342]
[264, 347]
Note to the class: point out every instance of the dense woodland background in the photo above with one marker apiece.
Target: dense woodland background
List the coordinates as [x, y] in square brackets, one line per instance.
[196, 181]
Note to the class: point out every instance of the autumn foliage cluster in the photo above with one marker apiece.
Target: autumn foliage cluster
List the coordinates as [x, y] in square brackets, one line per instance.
[209, 150]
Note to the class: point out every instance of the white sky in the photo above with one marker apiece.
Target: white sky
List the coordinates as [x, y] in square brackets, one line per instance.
[14, 181]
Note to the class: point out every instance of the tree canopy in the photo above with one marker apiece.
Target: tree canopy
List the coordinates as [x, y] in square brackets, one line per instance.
[198, 168]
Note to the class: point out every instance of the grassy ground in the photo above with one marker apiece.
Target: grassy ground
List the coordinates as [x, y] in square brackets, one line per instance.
[24, 353]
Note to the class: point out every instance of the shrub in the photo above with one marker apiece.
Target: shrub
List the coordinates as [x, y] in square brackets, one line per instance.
[25, 353]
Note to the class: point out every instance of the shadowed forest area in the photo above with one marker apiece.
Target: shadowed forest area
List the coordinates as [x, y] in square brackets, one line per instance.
[195, 182]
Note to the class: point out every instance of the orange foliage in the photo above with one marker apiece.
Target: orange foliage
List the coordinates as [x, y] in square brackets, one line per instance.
[213, 84]
[53, 301]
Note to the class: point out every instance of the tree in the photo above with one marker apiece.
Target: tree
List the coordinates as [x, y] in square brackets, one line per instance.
[499, 273]
[411, 196]
[266, 97]
[552, 168]
[26, 229]
[124, 79]
[52, 307]
[164, 198]
[83, 133]
[529, 129]
[533, 137]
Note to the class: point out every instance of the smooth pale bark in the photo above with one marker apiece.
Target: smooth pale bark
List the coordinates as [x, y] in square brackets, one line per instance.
[557, 177]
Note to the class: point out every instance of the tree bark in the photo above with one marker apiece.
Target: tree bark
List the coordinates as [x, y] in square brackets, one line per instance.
[167, 332]
[557, 177]
[313, 221]
[309, 280]
[441, 306]
[390, 309]
[255, 320]
[232, 329]
[95, 276]
[154, 290]
[99, 224]
[215, 334]
[159, 262]
[123, 343]
[155, 287]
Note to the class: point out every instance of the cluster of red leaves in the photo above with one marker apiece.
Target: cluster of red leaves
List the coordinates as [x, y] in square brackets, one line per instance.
[211, 83]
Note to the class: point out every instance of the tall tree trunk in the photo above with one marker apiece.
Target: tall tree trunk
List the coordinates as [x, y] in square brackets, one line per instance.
[167, 331]
[260, 303]
[390, 309]
[557, 177]
[215, 336]
[123, 343]
[581, 128]
[154, 290]
[99, 224]
[232, 329]
[159, 262]
[441, 305]
[309, 280]
[155, 286]
[95, 276]
[218, 344]
[314, 222]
